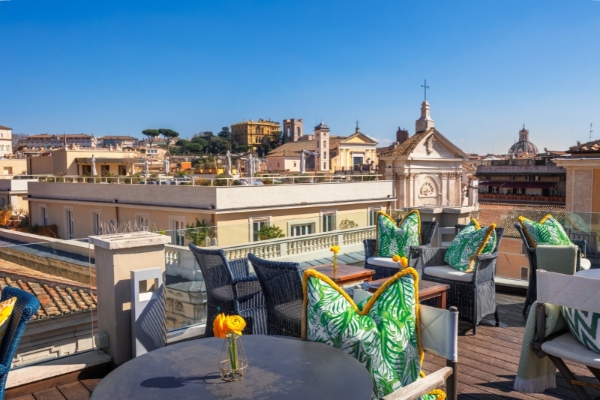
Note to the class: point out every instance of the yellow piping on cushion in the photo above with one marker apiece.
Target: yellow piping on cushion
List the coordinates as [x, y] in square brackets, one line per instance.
[521, 219]
[480, 249]
[314, 273]
[476, 223]
[441, 395]
[545, 218]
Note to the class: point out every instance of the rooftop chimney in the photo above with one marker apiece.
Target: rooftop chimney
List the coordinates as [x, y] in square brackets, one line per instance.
[401, 135]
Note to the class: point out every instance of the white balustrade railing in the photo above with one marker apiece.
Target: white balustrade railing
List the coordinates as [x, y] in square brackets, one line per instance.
[294, 248]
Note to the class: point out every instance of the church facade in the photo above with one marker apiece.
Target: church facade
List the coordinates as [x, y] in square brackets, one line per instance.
[427, 169]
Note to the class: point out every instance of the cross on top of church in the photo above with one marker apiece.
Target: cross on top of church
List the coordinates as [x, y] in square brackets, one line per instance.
[425, 87]
[356, 124]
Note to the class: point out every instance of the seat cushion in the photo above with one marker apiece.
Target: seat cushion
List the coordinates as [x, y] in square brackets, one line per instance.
[381, 332]
[383, 262]
[471, 241]
[392, 240]
[447, 272]
[568, 348]
[584, 263]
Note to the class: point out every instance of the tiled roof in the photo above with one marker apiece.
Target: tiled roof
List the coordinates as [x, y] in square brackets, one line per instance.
[55, 300]
[5, 127]
[293, 149]
[57, 296]
[589, 147]
[118, 138]
[406, 147]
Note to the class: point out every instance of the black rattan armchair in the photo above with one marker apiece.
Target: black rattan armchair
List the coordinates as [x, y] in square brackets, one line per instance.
[474, 293]
[282, 286]
[230, 289]
[530, 249]
[427, 231]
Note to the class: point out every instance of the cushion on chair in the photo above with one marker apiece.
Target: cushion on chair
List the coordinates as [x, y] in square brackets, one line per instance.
[6, 309]
[585, 327]
[471, 241]
[547, 231]
[383, 334]
[447, 272]
[392, 240]
[584, 263]
[383, 262]
[568, 348]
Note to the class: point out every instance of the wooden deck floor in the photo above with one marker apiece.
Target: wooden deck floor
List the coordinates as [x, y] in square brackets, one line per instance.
[487, 363]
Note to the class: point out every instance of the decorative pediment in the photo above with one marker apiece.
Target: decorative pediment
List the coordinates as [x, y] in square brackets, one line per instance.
[433, 145]
[359, 138]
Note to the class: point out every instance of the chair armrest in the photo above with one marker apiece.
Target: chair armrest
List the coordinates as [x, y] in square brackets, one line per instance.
[248, 293]
[483, 270]
[239, 268]
[370, 245]
[421, 386]
[3, 369]
[425, 256]
[582, 244]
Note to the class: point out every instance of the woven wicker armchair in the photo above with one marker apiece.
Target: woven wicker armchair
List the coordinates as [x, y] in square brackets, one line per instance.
[474, 294]
[25, 307]
[530, 248]
[282, 286]
[230, 289]
[382, 271]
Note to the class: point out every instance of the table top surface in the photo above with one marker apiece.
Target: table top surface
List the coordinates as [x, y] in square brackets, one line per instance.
[425, 287]
[278, 368]
[344, 272]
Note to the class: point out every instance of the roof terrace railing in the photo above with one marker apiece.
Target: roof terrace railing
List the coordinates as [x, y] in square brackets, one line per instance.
[198, 181]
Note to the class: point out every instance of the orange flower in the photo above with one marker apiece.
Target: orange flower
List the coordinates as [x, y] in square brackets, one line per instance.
[400, 260]
[219, 328]
[335, 249]
[235, 324]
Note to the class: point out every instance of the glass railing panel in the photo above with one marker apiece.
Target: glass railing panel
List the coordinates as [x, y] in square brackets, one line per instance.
[60, 273]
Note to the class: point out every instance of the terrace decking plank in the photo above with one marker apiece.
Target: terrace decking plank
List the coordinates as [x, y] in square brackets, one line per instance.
[90, 384]
[49, 394]
[25, 397]
[74, 391]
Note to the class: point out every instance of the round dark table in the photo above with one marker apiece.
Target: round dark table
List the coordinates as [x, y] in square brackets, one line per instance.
[278, 368]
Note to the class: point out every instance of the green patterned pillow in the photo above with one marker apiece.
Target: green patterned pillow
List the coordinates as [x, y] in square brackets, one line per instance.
[548, 231]
[383, 334]
[471, 241]
[392, 240]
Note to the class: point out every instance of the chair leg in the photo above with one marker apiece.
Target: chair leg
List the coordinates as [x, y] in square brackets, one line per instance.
[497, 316]
[474, 328]
[569, 377]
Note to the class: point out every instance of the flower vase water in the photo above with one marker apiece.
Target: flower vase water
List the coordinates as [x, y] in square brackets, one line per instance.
[232, 362]
[334, 263]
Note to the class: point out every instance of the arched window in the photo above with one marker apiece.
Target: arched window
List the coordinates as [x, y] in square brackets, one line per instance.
[325, 165]
[324, 155]
[298, 131]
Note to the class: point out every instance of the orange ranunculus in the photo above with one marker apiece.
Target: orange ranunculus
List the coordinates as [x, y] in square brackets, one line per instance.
[396, 258]
[335, 249]
[235, 324]
[219, 328]
[404, 261]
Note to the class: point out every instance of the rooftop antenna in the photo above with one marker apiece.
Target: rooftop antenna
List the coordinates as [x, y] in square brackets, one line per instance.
[591, 132]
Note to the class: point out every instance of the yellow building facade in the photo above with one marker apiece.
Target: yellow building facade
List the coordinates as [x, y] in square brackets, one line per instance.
[251, 133]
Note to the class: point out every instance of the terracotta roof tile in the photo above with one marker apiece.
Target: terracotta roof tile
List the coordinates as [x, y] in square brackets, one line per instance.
[406, 147]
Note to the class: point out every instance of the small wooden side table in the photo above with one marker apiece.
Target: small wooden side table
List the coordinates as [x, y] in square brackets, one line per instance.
[427, 290]
[345, 274]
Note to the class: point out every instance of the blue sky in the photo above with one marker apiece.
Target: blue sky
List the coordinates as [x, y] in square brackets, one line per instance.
[118, 67]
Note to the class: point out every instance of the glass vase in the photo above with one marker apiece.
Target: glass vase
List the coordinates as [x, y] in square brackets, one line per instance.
[232, 362]
[334, 263]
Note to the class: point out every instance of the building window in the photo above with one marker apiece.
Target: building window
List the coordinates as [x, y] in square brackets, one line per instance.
[142, 222]
[278, 164]
[178, 231]
[43, 215]
[325, 165]
[301, 230]
[294, 164]
[373, 216]
[257, 224]
[324, 155]
[328, 222]
[70, 224]
[96, 222]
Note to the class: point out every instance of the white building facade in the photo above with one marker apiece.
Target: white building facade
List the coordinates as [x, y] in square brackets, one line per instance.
[5, 141]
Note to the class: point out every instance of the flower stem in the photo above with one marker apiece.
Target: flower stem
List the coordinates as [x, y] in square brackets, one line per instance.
[232, 351]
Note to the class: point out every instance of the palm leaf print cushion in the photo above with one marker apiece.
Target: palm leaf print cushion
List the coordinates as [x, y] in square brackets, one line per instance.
[392, 240]
[471, 241]
[548, 231]
[382, 332]
[585, 326]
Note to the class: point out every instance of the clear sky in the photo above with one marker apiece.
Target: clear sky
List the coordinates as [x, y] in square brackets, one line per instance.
[117, 67]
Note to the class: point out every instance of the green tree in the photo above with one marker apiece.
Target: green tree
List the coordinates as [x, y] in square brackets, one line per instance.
[151, 134]
[198, 232]
[270, 232]
[216, 145]
[226, 134]
[168, 135]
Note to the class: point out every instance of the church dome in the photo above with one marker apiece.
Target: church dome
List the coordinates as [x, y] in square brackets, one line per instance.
[523, 147]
